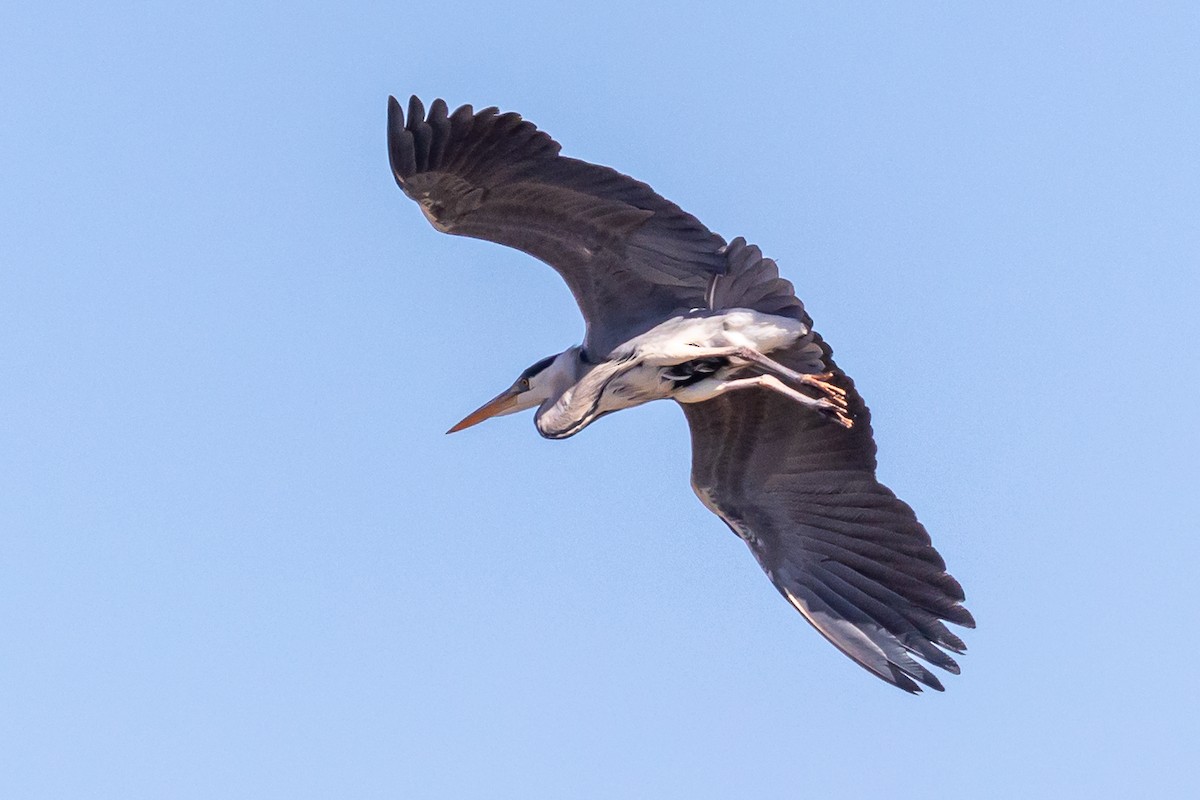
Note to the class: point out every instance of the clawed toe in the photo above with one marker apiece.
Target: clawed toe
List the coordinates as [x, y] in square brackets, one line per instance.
[822, 381]
[837, 410]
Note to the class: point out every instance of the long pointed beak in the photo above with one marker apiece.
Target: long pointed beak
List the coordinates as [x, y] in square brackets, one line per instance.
[499, 404]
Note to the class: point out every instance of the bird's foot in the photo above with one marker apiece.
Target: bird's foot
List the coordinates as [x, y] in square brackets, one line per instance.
[821, 381]
[836, 410]
[833, 402]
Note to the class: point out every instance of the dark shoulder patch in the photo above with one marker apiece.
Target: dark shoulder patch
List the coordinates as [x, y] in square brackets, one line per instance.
[538, 366]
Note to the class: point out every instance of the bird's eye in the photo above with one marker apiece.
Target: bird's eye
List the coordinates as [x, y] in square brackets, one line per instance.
[523, 383]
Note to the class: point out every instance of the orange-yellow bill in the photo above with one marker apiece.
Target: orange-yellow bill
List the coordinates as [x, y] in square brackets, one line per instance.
[497, 405]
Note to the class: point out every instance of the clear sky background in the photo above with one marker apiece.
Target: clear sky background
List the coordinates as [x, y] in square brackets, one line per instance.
[239, 558]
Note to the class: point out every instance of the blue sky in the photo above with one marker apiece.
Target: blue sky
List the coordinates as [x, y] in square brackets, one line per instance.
[238, 557]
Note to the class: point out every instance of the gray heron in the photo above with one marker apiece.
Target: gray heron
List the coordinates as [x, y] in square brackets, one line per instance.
[782, 449]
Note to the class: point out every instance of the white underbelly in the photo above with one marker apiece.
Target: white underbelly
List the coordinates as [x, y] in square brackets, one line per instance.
[677, 338]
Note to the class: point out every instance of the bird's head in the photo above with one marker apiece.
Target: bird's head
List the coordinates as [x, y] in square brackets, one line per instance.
[539, 385]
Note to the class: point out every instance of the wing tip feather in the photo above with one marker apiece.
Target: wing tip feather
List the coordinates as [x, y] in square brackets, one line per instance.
[401, 153]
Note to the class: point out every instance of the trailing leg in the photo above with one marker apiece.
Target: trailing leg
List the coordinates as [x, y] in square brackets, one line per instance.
[714, 387]
[819, 381]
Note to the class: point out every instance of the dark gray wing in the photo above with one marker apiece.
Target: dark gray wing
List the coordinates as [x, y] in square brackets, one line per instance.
[802, 492]
[630, 257]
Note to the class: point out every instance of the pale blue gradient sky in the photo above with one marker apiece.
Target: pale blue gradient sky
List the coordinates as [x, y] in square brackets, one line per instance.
[239, 559]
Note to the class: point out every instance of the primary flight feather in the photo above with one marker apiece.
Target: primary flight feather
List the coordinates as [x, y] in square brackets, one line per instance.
[782, 449]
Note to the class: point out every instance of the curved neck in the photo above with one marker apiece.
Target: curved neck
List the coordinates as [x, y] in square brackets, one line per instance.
[577, 404]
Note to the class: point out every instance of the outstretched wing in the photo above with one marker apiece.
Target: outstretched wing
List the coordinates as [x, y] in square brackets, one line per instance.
[802, 492]
[630, 257]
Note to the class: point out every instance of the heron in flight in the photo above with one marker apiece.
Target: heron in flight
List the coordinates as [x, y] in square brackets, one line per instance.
[782, 449]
